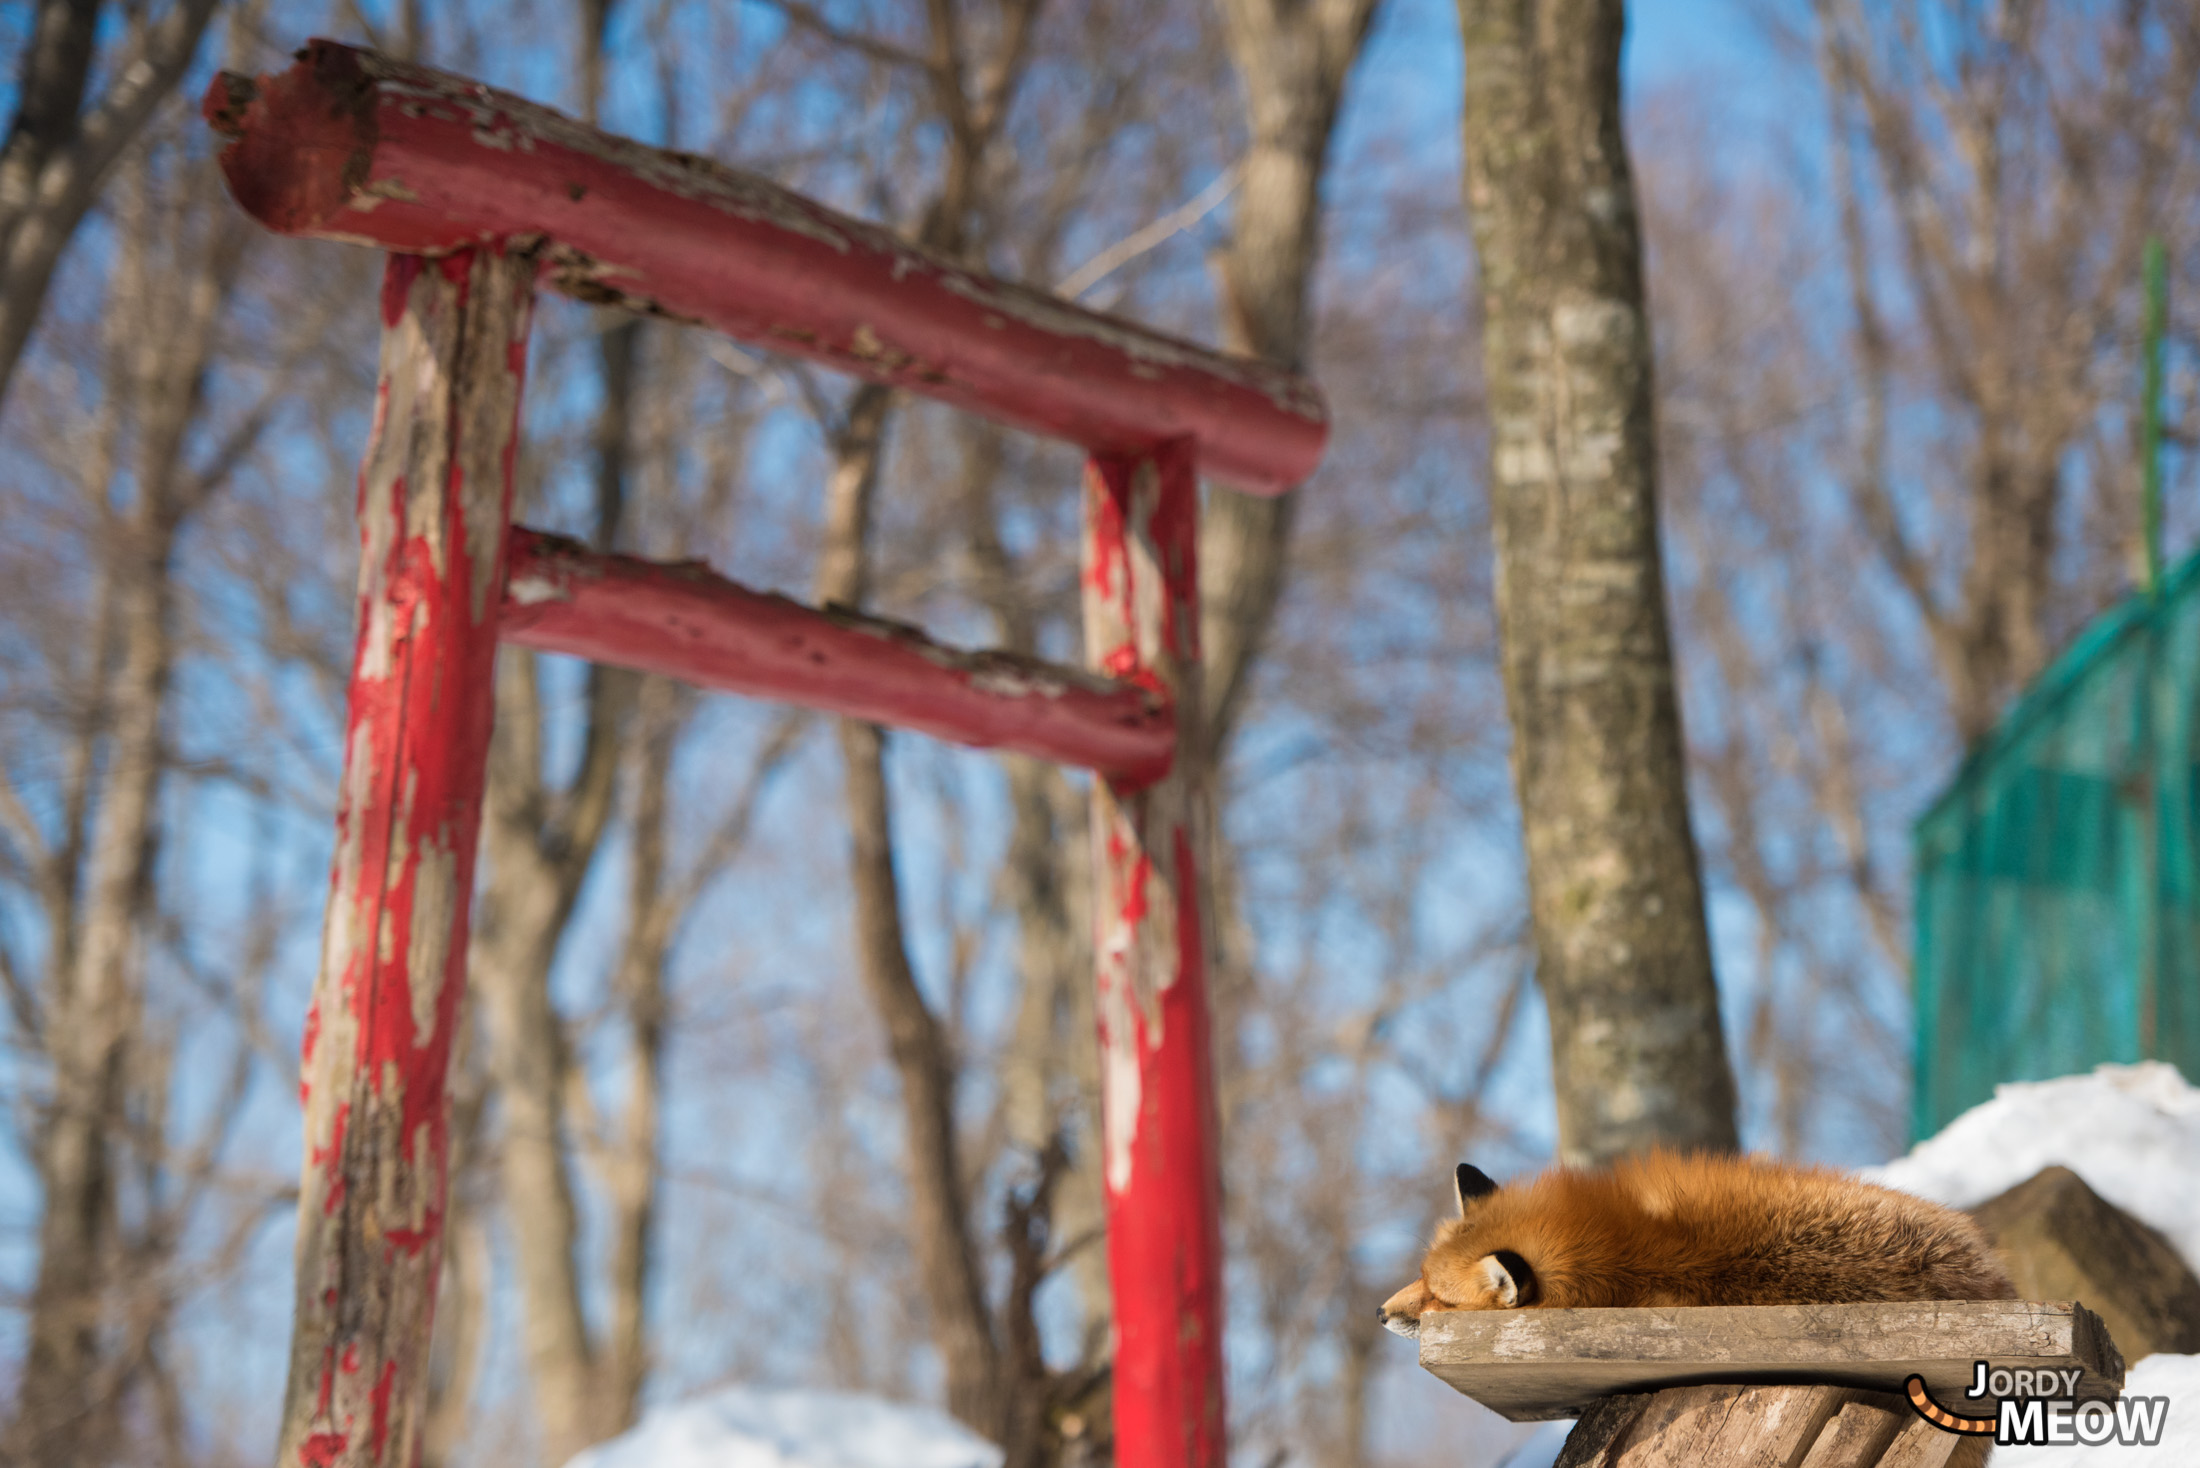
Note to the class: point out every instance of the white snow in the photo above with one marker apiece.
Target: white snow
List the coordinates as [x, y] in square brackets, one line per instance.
[1540, 1448]
[2175, 1377]
[2131, 1131]
[763, 1427]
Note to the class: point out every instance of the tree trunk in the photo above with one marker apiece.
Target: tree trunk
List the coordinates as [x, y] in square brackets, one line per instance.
[540, 842]
[1616, 901]
[525, 903]
[633, 1167]
[62, 1417]
[54, 159]
[1292, 60]
[946, 1255]
[71, 1376]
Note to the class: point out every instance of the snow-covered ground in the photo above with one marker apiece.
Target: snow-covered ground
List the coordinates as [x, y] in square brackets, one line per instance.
[760, 1427]
[2133, 1133]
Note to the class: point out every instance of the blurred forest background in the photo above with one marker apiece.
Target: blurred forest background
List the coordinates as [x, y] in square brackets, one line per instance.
[1894, 255]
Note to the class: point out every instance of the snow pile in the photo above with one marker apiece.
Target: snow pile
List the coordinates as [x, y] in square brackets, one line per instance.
[759, 1427]
[2175, 1377]
[2131, 1131]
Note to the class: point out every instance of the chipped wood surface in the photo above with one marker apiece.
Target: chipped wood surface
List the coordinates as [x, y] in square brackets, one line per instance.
[1735, 1426]
[1862, 1431]
[687, 622]
[1159, 1163]
[434, 492]
[355, 146]
[1535, 1365]
[1919, 1444]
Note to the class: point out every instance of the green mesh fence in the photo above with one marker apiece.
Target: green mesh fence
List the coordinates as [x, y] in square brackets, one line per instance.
[2057, 903]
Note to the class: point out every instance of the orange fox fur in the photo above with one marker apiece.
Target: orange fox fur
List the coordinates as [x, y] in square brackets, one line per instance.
[1669, 1229]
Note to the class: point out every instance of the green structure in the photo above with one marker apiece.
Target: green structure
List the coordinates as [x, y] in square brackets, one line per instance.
[2058, 898]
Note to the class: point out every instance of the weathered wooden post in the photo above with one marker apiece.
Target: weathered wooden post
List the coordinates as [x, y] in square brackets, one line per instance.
[434, 496]
[1162, 1173]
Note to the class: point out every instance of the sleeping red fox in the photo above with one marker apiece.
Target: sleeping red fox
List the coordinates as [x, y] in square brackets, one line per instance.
[1667, 1229]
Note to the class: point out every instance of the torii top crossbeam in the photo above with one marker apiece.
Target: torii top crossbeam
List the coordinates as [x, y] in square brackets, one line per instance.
[479, 195]
[354, 146]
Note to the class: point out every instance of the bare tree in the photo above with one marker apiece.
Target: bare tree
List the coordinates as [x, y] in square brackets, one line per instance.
[1622, 952]
[119, 1185]
[972, 97]
[1292, 61]
[59, 147]
[2011, 213]
[1899, 471]
[543, 838]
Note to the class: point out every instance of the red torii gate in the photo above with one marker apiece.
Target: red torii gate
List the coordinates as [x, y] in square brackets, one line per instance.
[479, 195]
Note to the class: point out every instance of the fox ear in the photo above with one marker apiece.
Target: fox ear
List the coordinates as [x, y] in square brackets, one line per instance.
[1473, 1183]
[1509, 1278]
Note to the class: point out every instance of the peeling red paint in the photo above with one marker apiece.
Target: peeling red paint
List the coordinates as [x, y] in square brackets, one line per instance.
[397, 279]
[385, 1010]
[1161, 1170]
[684, 621]
[1164, 1232]
[1173, 524]
[1134, 891]
[322, 1449]
[330, 1159]
[305, 1061]
[1105, 565]
[379, 1424]
[413, 1240]
[355, 146]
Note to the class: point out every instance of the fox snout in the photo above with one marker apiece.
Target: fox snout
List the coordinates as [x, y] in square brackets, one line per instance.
[1401, 1313]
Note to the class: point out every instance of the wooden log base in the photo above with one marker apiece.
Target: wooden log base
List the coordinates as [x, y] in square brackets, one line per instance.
[1763, 1427]
[1536, 1365]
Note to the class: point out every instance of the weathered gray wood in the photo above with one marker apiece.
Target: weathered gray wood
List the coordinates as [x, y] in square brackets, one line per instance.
[1921, 1445]
[1762, 1427]
[1602, 1431]
[1860, 1432]
[1534, 1365]
[1729, 1426]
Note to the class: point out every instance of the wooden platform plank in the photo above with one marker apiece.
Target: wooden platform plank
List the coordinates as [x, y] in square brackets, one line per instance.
[1534, 1365]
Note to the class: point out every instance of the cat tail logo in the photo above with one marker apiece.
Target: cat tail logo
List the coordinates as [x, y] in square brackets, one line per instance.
[2036, 1409]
